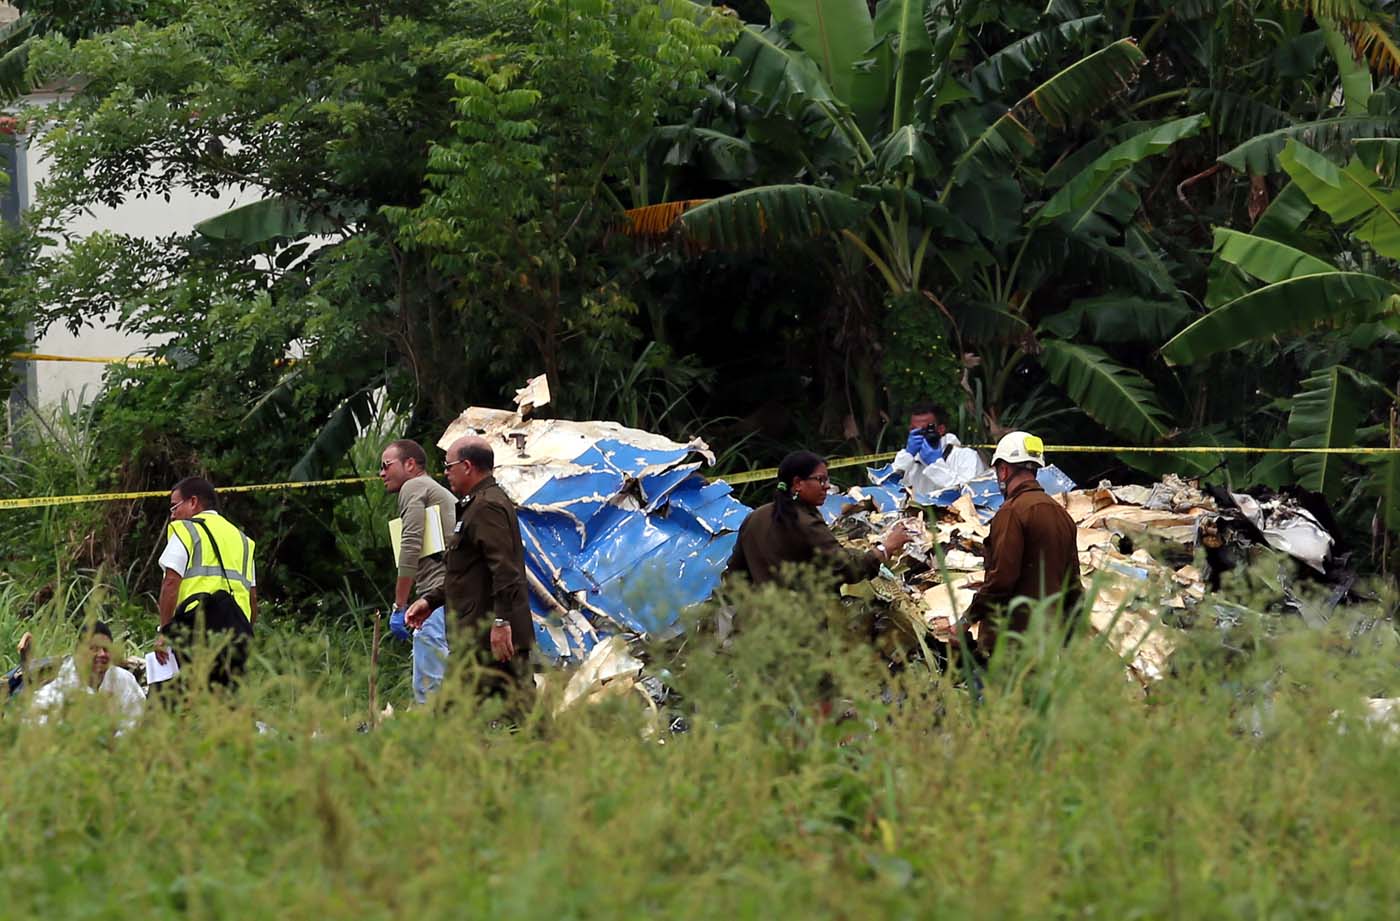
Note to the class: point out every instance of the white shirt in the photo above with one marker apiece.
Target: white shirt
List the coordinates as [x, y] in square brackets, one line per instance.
[177, 559]
[119, 684]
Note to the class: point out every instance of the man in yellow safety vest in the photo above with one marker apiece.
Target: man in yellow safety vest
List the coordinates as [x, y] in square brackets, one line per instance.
[204, 552]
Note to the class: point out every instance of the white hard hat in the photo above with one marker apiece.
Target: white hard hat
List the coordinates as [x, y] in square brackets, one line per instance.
[1020, 448]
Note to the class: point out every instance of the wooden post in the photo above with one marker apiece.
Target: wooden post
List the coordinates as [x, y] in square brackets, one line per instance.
[374, 675]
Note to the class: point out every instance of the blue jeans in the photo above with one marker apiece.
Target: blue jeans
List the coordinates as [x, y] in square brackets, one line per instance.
[429, 655]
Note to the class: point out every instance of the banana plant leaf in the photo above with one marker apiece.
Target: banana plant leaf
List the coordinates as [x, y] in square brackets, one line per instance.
[836, 34]
[720, 155]
[1075, 92]
[14, 57]
[772, 74]
[1118, 318]
[1267, 260]
[920, 210]
[1114, 166]
[262, 221]
[750, 219]
[1020, 59]
[906, 150]
[1352, 196]
[900, 27]
[1325, 414]
[333, 442]
[1382, 157]
[1259, 156]
[1287, 306]
[1116, 397]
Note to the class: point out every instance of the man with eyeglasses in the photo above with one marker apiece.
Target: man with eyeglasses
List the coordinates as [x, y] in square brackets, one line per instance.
[403, 470]
[484, 590]
[207, 559]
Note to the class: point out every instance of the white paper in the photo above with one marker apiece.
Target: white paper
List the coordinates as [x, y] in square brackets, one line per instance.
[156, 673]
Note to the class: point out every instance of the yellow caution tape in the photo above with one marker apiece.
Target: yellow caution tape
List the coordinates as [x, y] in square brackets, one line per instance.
[750, 476]
[45, 501]
[747, 476]
[767, 473]
[90, 359]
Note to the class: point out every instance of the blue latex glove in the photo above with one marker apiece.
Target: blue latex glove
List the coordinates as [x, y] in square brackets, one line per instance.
[926, 451]
[397, 625]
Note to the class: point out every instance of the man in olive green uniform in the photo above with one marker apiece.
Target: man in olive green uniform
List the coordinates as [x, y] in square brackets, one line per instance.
[484, 589]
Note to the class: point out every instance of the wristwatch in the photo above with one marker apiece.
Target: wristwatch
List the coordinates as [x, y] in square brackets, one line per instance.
[501, 622]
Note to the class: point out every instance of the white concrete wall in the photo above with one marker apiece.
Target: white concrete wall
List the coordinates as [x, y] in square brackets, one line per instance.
[145, 218]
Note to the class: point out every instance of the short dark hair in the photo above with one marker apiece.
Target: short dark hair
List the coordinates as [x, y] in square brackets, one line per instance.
[96, 628]
[927, 408]
[410, 450]
[197, 487]
[479, 454]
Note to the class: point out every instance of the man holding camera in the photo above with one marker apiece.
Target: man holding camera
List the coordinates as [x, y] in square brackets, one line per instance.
[933, 458]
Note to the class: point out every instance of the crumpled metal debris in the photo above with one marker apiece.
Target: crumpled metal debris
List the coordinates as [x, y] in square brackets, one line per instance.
[1137, 548]
[621, 531]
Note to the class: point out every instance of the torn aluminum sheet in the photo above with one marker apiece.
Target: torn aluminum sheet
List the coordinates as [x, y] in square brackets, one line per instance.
[1288, 527]
[621, 531]
[982, 489]
[609, 664]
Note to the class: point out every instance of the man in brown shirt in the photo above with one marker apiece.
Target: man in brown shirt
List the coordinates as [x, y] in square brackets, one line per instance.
[484, 589]
[1032, 550]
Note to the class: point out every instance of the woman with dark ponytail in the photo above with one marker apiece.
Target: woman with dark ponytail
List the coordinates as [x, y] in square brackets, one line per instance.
[790, 529]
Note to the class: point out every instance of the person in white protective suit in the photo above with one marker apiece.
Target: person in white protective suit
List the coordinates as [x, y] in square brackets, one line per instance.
[933, 459]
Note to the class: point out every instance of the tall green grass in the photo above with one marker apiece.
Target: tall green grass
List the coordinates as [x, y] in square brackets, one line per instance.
[1241, 788]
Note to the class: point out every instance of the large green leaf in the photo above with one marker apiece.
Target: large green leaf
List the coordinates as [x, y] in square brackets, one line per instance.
[1118, 398]
[1075, 92]
[836, 34]
[1019, 59]
[1118, 318]
[720, 155]
[1384, 484]
[770, 214]
[1264, 259]
[265, 220]
[1259, 155]
[920, 210]
[15, 38]
[900, 25]
[1236, 116]
[333, 442]
[1114, 165]
[1240, 257]
[1382, 157]
[1285, 214]
[1351, 196]
[905, 149]
[1325, 415]
[774, 75]
[1287, 306]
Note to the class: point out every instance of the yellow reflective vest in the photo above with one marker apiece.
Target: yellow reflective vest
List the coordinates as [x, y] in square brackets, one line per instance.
[203, 573]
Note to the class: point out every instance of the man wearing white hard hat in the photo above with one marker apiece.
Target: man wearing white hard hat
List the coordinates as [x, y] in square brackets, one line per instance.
[1032, 549]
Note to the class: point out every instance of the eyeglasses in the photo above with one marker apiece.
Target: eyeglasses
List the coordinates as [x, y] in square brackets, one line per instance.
[450, 464]
[180, 503]
[822, 480]
[385, 465]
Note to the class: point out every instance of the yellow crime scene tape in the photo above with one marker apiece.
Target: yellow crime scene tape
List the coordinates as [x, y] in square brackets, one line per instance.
[43, 501]
[89, 359]
[736, 479]
[750, 476]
